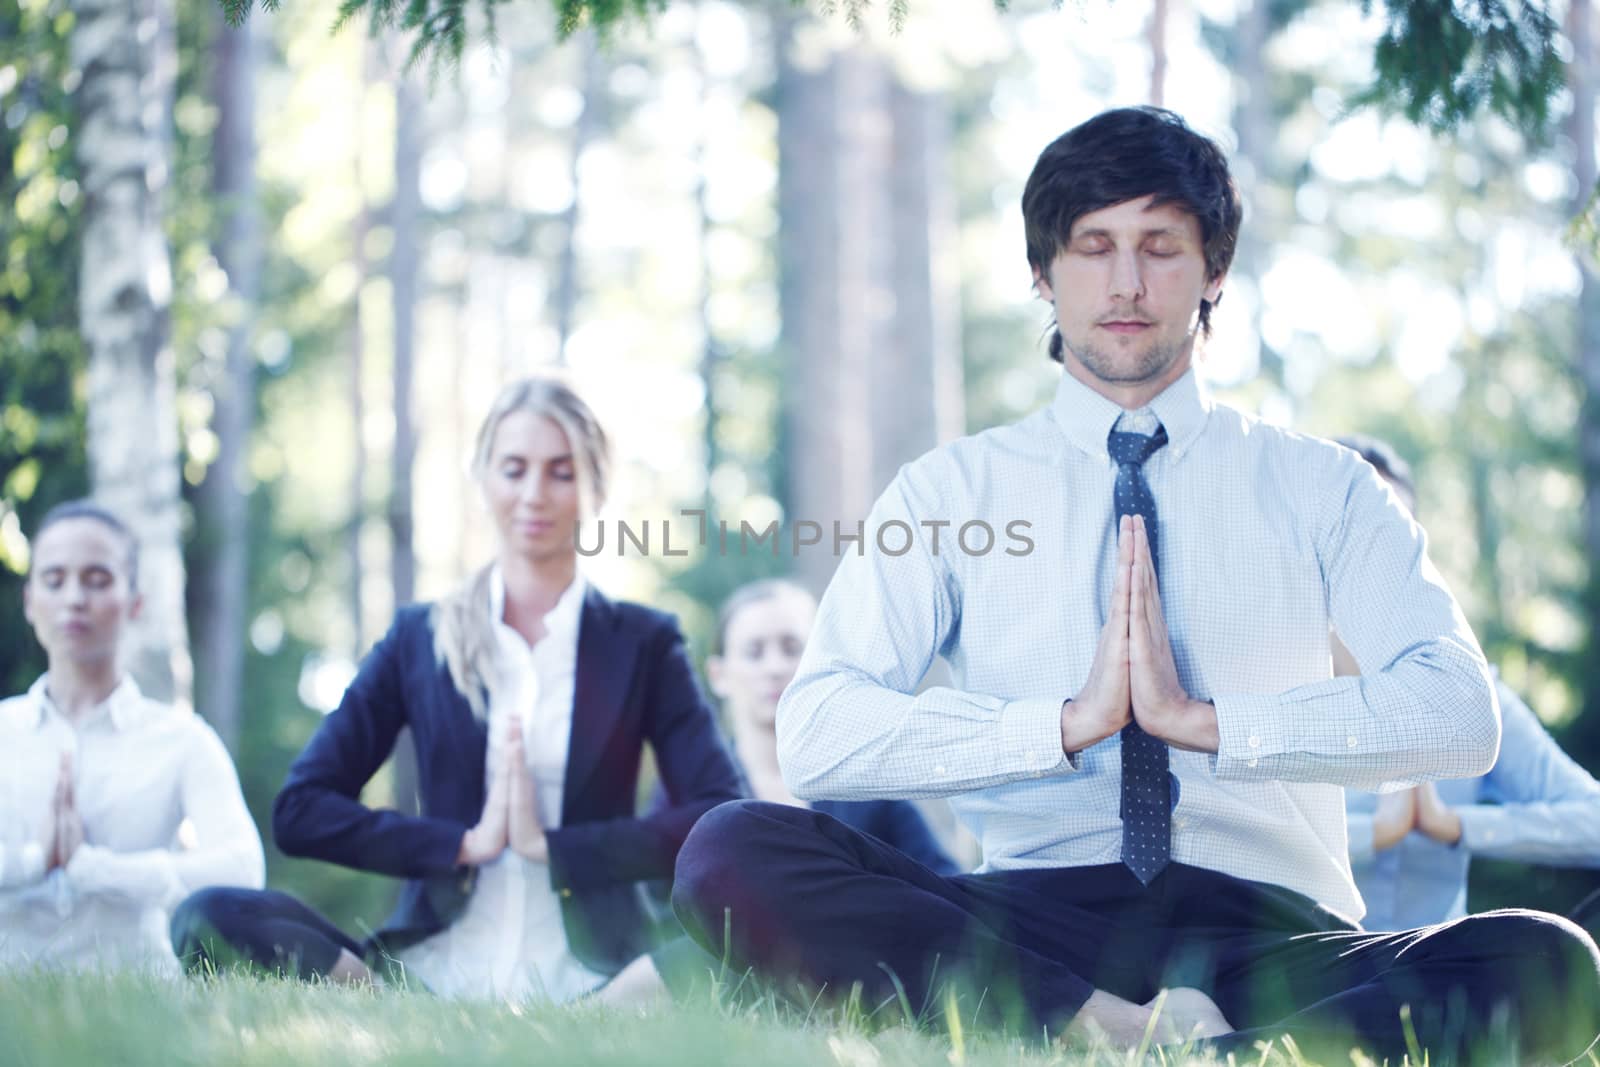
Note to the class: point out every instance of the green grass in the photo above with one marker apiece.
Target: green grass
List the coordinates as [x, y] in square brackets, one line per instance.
[61, 1020]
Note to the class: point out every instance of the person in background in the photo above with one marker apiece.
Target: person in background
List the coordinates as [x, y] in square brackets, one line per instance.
[113, 807]
[1410, 849]
[531, 698]
[761, 632]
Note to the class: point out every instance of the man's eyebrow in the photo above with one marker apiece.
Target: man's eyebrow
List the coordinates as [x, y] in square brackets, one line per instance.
[1154, 231]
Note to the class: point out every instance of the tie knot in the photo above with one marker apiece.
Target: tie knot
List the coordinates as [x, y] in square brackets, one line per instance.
[1134, 448]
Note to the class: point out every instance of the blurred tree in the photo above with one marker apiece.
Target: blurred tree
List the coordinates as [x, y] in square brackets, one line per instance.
[1440, 62]
[220, 550]
[591, 118]
[405, 221]
[124, 51]
[870, 313]
[1582, 75]
[42, 459]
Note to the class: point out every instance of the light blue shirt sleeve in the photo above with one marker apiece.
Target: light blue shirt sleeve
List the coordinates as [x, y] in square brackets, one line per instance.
[1423, 706]
[21, 865]
[1548, 807]
[851, 726]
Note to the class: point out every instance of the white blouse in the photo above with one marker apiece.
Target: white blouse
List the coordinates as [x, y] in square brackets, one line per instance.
[142, 770]
[509, 942]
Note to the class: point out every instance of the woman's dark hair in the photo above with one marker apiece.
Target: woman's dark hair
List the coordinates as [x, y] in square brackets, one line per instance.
[1386, 461]
[88, 509]
[1125, 154]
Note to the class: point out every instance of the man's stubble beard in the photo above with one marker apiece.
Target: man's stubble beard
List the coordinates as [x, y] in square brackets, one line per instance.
[1108, 368]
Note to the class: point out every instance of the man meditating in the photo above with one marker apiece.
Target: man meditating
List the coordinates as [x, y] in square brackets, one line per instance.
[1143, 729]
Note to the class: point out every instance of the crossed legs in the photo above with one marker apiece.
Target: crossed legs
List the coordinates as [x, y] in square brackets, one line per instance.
[801, 895]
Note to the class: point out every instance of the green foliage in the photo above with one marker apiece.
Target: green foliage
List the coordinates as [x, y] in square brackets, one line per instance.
[42, 459]
[1441, 62]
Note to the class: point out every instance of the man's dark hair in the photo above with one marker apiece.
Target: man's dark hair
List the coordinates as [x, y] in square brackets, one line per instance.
[88, 509]
[1125, 154]
[1386, 461]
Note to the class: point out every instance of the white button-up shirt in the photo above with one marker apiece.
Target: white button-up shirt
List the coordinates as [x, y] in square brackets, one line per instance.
[1265, 537]
[141, 770]
[509, 943]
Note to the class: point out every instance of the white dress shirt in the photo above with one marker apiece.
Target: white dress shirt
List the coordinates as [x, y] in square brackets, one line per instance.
[141, 770]
[1265, 537]
[509, 943]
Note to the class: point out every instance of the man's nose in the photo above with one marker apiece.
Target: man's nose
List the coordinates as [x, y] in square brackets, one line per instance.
[1127, 281]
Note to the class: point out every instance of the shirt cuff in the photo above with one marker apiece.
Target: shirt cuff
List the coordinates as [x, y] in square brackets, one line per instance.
[1032, 730]
[30, 862]
[1483, 827]
[149, 877]
[1248, 728]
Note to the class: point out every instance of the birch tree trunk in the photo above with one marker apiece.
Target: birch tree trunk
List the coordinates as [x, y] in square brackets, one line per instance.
[126, 52]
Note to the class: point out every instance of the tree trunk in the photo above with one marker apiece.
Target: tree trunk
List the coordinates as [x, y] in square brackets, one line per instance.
[1580, 30]
[1253, 168]
[918, 381]
[869, 288]
[126, 52]
[568, 280]
[405, 217]
[833, 148]
[1157, 31]
[221, 600]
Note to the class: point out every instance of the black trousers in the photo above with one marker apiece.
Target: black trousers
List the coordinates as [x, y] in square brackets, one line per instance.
[802, 896]
[223, 929]
[220, 929]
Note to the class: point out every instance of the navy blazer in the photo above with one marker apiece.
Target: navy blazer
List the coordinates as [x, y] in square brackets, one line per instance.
[633, 685]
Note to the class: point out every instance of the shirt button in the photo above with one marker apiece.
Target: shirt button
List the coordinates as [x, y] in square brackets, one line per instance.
[566, 893]
[941, 772]
[1351, 741]
[1252, 763]
[1255, 742]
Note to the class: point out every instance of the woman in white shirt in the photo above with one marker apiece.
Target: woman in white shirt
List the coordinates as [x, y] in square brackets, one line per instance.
[96, 781]
[531, 698]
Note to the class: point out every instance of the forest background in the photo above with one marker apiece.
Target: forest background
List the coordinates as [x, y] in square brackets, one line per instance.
[258, 282]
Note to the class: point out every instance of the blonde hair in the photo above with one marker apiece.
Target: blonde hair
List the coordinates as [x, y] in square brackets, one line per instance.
[463, 632]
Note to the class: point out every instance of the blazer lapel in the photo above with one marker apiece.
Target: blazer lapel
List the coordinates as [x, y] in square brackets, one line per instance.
[606, 655]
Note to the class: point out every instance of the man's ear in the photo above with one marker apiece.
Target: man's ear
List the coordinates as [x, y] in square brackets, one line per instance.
[715, 676]
[1041, 285]
[135, 606]
[1213, 290]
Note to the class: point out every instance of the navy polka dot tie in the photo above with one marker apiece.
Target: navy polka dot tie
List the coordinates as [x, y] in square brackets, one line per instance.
[1146, 785]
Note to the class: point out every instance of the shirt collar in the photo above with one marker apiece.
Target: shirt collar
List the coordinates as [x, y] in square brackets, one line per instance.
[1086, 417]
[121, 707]
[560, 621]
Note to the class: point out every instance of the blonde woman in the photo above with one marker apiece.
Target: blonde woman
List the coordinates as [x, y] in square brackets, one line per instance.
[96, 779]
[531, 697]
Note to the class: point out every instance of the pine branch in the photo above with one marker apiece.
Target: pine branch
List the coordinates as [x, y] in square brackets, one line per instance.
[1438, 62]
